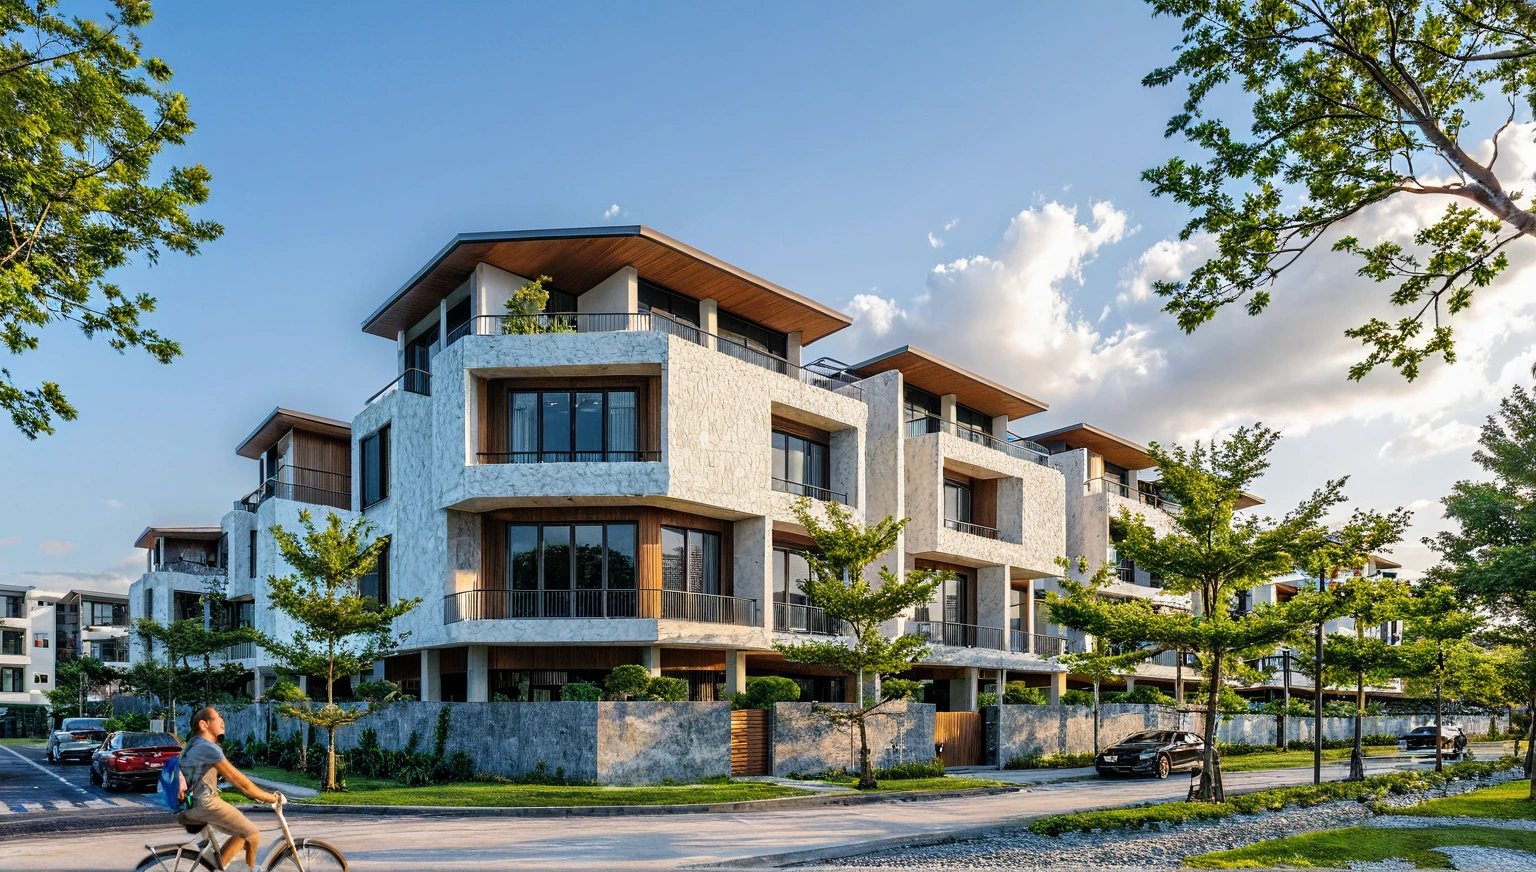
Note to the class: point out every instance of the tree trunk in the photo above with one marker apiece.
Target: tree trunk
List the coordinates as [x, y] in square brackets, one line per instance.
[329, 783]
[1096, 748]
[866, 772]
[1210, 789]
[1357, 756]
[1530, 744]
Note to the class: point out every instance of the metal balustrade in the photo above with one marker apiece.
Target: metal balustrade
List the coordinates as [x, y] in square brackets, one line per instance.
[797, 618]
[801, 489]
[706, 608]
[242, 651]
[1121, 489]
[569, 456]
[1023, 449]
[1044, 646]
[412, 381]
[972, 529]
[302, 484]
[504, 604]
[958, 635]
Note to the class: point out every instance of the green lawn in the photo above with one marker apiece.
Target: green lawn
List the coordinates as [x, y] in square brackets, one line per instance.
[521, 795]
[304, 779]
[922, 785]
[1508, 801]
[1336, 849]
[1295, 759]
[17, 743]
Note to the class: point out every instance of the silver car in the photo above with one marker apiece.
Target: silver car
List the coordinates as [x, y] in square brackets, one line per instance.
[77, 738]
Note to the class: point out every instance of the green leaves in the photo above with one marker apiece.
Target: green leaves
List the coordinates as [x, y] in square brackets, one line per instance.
[1351, 104]
[82, 118]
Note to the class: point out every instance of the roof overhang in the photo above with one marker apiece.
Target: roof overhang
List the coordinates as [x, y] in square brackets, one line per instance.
[147, 538]
[577, 259]
[1385, 562]
[1246, 500]
[938, 376]
[281, 421]
[1120, 452]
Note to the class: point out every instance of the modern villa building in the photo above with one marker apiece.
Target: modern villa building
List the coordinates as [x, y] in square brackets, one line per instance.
[40, 629]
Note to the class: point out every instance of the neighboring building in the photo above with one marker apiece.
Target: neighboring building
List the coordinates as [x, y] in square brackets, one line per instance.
[183, 563]
[28, 644]
[92, 624]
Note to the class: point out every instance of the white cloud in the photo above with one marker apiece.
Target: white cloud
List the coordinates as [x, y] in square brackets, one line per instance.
[951, 224]
[114, 579]
[611, 212]
[55, 546]
[875, 313]
[114, 504]
[934, 241]
[1427, 440]
[10, 540]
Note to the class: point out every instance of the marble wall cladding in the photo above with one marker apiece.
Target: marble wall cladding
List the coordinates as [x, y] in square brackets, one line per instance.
[644, 742]
[1047, 730]
[885, 432]
[806, 741]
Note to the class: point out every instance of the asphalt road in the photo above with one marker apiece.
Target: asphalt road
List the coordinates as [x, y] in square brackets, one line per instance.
[399, 842]
[28, 785]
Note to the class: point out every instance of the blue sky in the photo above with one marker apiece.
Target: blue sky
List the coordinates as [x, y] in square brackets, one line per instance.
[903, 162]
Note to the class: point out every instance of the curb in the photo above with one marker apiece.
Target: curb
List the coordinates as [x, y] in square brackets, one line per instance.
[745, 806]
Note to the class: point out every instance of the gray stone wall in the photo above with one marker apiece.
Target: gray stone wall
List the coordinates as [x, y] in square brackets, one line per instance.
[643, 742]
[806, 741]
[1047, 730]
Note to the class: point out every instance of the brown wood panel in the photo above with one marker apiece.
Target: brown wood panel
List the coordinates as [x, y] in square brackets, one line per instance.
[984, 502]
[554, 657]
[692, 659]
[453, 660]
[749, 742]
[938, 376]
[961, 735]
[805, 431]
[403, 667]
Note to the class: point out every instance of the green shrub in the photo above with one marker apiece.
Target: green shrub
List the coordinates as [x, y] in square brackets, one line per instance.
[901, 771]
[1054, 761]
[286, 691]
[1146, 694]
[1242, 749]
[376, 690]
[1019, 693]
[765, 690]
[984, 700]
[581, 691]
[902, 688]
[440, 735]
[1298, 708]
[664, 689]
[628, 681]
[1077, 697]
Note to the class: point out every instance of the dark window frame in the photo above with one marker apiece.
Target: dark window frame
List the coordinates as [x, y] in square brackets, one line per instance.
[542, 453]
[252, 556]
[781, 452]
[540, 549]
[376, 583]
[688, 534]
[20, 637]
[374, 465]
[969, 509]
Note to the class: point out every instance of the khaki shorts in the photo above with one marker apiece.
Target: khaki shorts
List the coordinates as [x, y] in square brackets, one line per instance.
[221, 816]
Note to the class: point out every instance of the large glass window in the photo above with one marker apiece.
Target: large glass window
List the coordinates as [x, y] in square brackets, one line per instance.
[375, 585]
[106, 615]
[951, 601]
[972, 424]
[655, 298]
[572, 570]
[573, 426]
[690, 560]
[188, 606]
[800, 466]
[10, 606]
[923, 411]
[11, 680]
[790, 568]
[957, 502]
[375, 450]
[12, 642]
[754, 336]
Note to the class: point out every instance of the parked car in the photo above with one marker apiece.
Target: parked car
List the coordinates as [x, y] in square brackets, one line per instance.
[132, 759]
[76, 738]
[1421, 740]
[1151, 752]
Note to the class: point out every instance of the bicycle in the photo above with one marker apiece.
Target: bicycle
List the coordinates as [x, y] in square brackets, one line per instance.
[203, 852]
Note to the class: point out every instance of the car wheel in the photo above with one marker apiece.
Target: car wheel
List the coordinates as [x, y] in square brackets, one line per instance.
[109, 783]
[48, 756]
[1163, 766]
[95, 776]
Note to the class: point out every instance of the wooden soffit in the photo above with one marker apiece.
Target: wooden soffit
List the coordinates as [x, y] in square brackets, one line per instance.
[1120, 452]
[938, 376]
[283, 420]
[206, 534]
[577, 259]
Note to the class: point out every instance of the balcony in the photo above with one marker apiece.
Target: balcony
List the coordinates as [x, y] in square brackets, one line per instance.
[672, 605]
[970, 529]
[796, 618]
[303, 485]
[958, 635]
[568, 456]
[1022, 449]
[801, 489]
[1040, 645]
[412, 381]
[187, 567]
[1125, 491]
[836, 381]
[242, 651]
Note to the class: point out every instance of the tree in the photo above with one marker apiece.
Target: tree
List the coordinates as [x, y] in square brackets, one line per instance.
[525, 311]
[1438, 629]
[1352, 105]
[83, 115]
[1213, 555]
[74, 682]
[1099, 666]
[199, 640]
[838, 586]
[1489, 556]
[338, 630]
[1359, 658]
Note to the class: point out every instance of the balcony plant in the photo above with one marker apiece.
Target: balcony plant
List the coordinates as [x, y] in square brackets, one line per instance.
[525, 312]
[838, 586]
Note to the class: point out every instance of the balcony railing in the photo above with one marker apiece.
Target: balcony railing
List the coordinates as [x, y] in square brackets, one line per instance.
[187, 567]
[620, 322]
[801, 489]
[677, 605]
[569, 456]
[303, 485]
[972, 529]
[1044, 646]
[242, 651]
[412, 381]
[796, 618]
[1023, 449]
[1121, 489]
[958, 635]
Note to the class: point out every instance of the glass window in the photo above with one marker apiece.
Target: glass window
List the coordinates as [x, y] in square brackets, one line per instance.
[11, 642]
[557, 558]
[951, 601]
[39, 640]
[623, 426]
[547, 558]
[251, 555]
[10, 607]
[674, 559]
[10, 680]
[655, 298]
[589, 427]
[703, 562]
[957, 502]
[376, 467]
[754, 336]
[800, 466]
[555, 433]
[374, 585]
[622, 549]
[562, 427]
[589, 556]
[967, 417]
[106, 615]
[790, 568]
[523, 541]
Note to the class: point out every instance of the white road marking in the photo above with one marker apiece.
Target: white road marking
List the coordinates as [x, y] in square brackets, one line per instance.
[31, 806]
[97, 803]
[39, 767]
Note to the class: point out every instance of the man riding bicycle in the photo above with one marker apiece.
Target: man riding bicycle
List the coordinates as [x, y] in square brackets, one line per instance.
[202, 763]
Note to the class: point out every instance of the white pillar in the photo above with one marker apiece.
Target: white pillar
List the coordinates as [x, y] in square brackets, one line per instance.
[735, 673]
[1058, 687]
[1028, 620]
[400, 351]
[442, 325]
[479, 677]
[1000, 427]
[709, 321]
[431, 689]
[947, 407]
[1130, 683]
[794, 348]
[650, 658]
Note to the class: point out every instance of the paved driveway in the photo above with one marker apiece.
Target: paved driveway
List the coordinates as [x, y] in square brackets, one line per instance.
[29, 786]
[650, 842]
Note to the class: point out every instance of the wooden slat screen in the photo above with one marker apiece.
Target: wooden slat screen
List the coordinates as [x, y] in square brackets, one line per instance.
[749, 742]
[961, 735]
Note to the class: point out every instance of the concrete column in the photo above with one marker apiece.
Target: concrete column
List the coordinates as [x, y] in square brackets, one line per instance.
[735, 672]
[947, 407]
[709, 321]
[479, 677]
[1028, 620]
[650, 658]
[992, 598]
[1000, 427]
[1130, 683]
[304, 684]
[1058, 687]
[258, 684]
[399, 351]
[751, 560]
[794, 348]
[431, 688]
[962, 691]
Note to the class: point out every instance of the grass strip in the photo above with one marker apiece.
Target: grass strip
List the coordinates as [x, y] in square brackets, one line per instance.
[472, 795]
[1375, 787]
[1337, 849]
[920, 785]
[22, 743]
[1295, 759]
[1509, 801]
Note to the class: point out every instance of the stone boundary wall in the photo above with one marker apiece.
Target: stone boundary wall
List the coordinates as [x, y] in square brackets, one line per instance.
[606, 742]
[806, 742]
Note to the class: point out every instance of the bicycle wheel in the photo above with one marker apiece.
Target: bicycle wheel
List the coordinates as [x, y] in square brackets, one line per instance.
[317, 856]
[177, 858]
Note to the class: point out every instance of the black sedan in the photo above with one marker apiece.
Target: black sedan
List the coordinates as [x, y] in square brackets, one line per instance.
[1151, 752]
[132, 760]
[1421, 740]
[77, 738]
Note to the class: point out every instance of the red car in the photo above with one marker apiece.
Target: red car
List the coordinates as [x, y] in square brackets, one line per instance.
[132, 760]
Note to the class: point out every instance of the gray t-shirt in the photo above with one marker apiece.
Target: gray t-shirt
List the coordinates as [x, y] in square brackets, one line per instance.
[198, 760]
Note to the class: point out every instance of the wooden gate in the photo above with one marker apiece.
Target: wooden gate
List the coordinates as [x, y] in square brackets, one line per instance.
[961, 735]
[749, 742]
